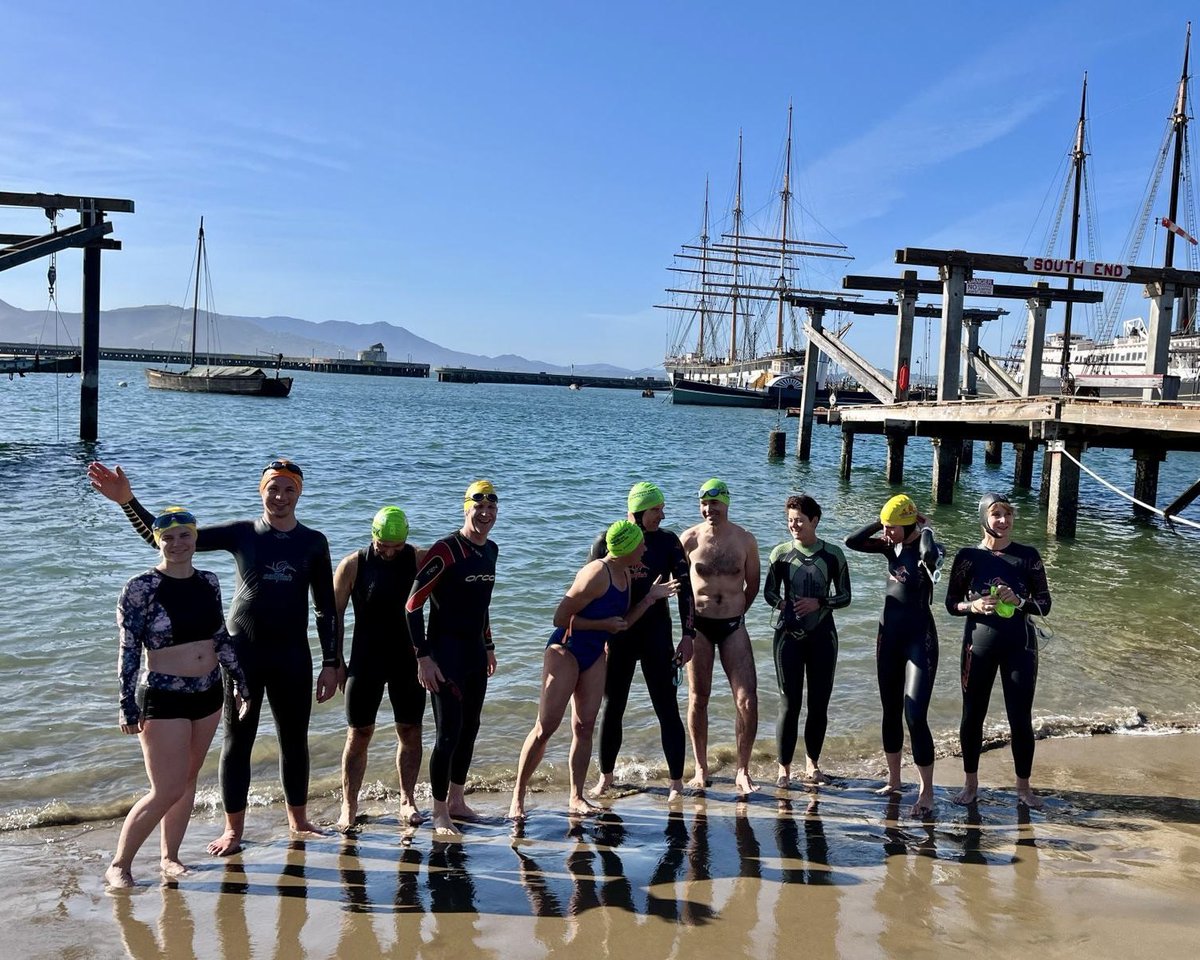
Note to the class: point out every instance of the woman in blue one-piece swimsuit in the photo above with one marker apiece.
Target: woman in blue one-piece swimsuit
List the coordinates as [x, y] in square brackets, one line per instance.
[573, 667]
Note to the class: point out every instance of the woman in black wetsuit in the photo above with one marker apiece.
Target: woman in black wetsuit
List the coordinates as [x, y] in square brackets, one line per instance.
[456, 656]
[906, 648]
[173, 613]
[279, 562]
[997, 586]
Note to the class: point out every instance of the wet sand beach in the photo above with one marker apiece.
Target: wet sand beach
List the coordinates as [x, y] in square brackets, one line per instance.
[1110, 868]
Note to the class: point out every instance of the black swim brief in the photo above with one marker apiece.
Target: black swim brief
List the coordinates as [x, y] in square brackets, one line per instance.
[716, 629]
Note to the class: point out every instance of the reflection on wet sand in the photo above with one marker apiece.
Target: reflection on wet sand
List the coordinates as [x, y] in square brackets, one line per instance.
[839, 872]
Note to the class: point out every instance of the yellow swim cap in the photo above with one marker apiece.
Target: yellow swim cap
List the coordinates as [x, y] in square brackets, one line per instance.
[900, 511]
[478, 492]
[172, 517]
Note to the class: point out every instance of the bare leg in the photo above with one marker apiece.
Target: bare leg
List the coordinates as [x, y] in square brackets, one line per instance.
[456, 802]
[166, 753]
[603, 785]
[175, 822]
[298, 822]
[784, 777]
[700, 669]
[737, 659]
[354, 768]
[812, 771]
[924, 804]
[970, 791]
[585, 705]
[560, 673]
[894, 784]
[408, 765]
[1026, 796]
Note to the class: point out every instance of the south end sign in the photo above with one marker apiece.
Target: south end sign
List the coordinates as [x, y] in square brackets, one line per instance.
[1077, 268]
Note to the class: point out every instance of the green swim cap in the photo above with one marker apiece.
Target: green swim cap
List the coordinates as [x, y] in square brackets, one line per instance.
[623, 538]
[643, 496]
[715, 489]
[390, 525]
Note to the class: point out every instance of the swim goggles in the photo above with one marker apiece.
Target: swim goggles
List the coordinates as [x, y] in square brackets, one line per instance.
[176, 518]
[716, 490]
[481, 497]
[285, 465]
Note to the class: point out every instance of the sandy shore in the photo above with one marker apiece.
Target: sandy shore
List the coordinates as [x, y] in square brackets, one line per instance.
[1111, 868]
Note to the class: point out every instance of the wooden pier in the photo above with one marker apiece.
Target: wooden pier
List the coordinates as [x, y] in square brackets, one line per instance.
[468, 375]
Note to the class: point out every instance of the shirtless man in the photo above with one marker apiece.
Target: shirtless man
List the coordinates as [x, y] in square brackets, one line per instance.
[377, 580]
[725, 579]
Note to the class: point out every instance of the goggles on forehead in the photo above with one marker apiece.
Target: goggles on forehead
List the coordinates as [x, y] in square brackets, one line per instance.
[285, 465]
[176, 518]
[482, 497]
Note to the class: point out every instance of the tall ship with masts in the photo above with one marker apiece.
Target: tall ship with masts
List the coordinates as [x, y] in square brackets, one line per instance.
[737, 338]
[1103, 359]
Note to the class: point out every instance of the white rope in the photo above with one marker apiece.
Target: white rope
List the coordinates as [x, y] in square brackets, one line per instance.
[1175, 518]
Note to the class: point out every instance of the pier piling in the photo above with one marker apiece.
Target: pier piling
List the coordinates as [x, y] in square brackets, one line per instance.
[777, 443]
[847, 454]
[993, 453]
[897, 441]
[1023, 465]
[945, 469]
[1062, 510]
[1145, 479]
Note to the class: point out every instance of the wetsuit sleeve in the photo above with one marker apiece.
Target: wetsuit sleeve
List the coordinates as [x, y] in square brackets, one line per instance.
[960, 584]
[223, 536]
[223, 643]
[131, 621]
[437, 561]
[777, 572]
[321, 585]
[839, 581]
[864, 540]
[1038, 601]
[140, 519]
[680, 570]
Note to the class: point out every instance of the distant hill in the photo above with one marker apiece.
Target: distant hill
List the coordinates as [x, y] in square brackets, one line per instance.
[159, 325]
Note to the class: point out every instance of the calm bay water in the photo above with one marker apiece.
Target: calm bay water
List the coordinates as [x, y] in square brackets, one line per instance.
[1126, 637]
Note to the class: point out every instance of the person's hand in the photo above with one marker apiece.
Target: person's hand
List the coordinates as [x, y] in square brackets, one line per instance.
[133, 728]
[802, 606]
[341, 681]
[661, 589]
[111, 484]
[241, 705]
[327, 683]
[984, 606]
[683, 652]
[429, 675]
[611, 624]
[491, 663]
[1008, 595]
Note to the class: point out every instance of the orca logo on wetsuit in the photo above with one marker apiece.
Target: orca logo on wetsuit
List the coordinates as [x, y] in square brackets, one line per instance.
[485, 577]
[899, 574]
[280, 572]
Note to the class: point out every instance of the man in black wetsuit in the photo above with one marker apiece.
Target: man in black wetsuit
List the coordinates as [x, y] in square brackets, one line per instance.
[456, 656]
[378, 579]
[279, 561]
[649, 640]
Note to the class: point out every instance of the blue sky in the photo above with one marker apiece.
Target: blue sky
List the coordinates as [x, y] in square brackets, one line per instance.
[515, 177]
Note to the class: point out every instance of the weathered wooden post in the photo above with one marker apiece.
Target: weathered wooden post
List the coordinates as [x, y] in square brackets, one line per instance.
[89, 336]
[1062, 511]
[993, 452]
[897, 440]
[847, 453]
[1035, 337]
[808, 388]
[1158, 336]
[1145, 479]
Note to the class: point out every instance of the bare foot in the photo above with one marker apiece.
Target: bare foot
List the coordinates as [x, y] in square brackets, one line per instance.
[675, 791]
[516, 811]
[1028, 799]
[602, 785]
[889, 790]
[305, 828]
[581, 807]
[458, 808]
[815, 775]
[347, 819]
[173, 868]
[228, 843]
[700, 780]
[119, 878]
[743, 784]
[966, 796]
[922, 808]
[409, 814]
[785, 777]
[443, 827]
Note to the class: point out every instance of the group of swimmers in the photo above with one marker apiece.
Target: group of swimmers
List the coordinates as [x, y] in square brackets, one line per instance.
[614, 615]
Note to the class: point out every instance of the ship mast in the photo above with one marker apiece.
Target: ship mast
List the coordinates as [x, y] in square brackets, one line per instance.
[703, 276]
[1078, 161]
[1179, 121]
[737, 240]
[785, 196]
[196, 292]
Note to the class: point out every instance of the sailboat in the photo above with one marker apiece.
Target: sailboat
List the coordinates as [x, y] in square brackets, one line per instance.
[243, 381]
[722, 354]
[1114, 363]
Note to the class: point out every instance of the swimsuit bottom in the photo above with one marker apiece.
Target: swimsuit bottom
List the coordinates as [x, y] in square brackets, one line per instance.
[716, 629]
[158, 703]
[587, 646]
